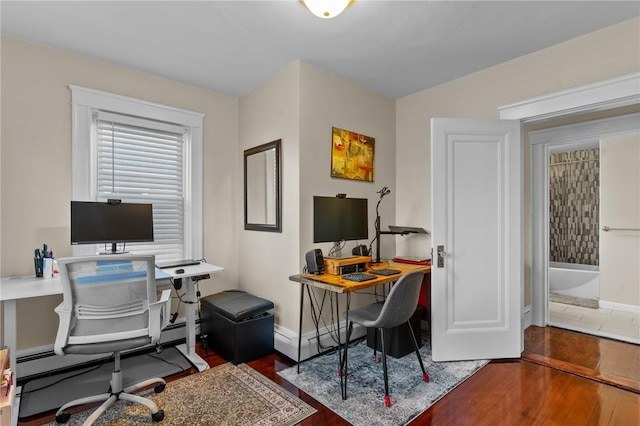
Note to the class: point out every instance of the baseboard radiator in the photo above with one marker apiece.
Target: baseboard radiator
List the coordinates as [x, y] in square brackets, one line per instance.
[286, 341]
[43, 360]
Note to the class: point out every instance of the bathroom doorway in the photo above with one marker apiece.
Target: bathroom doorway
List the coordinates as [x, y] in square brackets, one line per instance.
[592, 284]
[574, 217]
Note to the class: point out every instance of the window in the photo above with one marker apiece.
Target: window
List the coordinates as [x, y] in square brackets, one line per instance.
[141, 152]
[142, 161]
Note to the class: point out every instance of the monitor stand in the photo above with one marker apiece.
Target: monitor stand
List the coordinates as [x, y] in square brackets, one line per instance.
[114, 249]
[337, 254]
[346, 256]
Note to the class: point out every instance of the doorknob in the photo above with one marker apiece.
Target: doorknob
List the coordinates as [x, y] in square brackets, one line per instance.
[441, 255]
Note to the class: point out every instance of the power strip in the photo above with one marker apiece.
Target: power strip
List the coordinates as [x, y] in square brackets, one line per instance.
[201, 277]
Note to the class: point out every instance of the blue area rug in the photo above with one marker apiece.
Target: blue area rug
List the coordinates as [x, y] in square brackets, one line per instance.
[364, 405]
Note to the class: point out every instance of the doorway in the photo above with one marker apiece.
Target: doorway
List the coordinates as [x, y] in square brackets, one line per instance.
[602, 96]
[569, 161]
[574, 217]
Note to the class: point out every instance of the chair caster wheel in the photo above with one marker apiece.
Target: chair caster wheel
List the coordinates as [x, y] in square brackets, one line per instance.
[157, 417]
[159, 387]
[63, 417]
[387, 401]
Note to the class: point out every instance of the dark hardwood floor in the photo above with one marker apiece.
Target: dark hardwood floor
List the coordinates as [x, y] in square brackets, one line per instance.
[605, 360]
[563, 378]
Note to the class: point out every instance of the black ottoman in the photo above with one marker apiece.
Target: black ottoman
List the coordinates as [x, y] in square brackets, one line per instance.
[237, 325]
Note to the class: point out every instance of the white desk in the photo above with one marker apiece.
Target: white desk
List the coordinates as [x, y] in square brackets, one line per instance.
[188, 349]
[14, 288]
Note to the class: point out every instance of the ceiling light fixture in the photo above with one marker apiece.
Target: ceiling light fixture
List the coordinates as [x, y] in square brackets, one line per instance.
[326, 8]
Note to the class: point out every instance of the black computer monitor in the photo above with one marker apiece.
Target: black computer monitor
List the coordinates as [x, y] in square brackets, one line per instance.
[111, 223]
[340, 219]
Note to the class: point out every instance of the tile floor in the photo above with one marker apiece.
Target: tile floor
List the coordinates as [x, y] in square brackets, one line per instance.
[610, 323]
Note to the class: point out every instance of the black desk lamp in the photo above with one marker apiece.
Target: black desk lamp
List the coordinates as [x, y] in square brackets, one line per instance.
[384, 191]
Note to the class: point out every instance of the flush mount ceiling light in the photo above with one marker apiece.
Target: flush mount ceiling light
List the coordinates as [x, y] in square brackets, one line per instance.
[326, 8]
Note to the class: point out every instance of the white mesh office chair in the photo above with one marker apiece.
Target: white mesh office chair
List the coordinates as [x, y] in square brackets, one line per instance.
[110, 305]
[396, 310]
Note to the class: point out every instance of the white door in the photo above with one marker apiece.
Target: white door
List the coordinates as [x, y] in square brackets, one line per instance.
[476, 272]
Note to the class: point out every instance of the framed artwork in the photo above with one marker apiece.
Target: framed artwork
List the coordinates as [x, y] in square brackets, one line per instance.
[352, 155]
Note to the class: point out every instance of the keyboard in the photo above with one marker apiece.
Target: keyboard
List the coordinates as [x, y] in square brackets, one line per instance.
[385, 271]
[358, 277]
[177, 263]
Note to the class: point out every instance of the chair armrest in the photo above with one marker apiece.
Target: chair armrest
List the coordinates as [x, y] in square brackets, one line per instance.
[64, 317]
[159, 313]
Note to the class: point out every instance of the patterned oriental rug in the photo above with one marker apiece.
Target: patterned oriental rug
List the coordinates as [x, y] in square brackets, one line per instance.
[364, 406]
[225, 395]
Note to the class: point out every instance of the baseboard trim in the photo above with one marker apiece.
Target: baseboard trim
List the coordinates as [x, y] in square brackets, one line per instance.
[619, 306]
[286, 341]
[526, 317]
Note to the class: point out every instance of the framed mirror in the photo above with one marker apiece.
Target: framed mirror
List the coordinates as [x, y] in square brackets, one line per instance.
[262, 201]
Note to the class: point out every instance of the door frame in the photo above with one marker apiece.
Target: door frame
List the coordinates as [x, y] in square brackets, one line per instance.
[561, 139]
[603, 95]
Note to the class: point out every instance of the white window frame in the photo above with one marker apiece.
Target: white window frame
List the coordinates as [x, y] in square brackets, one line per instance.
[84, 102]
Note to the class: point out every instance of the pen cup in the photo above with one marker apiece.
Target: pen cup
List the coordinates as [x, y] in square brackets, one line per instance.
[37, 263]
[47, 267]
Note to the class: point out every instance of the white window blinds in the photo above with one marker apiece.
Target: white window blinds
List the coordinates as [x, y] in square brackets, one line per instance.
[141, 161]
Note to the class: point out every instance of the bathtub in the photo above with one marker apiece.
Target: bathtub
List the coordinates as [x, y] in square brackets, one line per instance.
[574, 280]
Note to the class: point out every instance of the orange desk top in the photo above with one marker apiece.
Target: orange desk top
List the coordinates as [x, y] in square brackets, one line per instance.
[336, 284]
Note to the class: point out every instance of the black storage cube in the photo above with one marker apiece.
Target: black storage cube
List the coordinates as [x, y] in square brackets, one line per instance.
[237, 325]
[397, 339]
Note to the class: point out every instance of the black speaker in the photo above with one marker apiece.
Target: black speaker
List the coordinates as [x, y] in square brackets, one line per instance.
[360, 250]
[315, 261]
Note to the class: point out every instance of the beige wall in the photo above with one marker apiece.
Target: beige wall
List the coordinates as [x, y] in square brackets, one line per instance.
[267, 113]
[330, 101]
[36, 164]
[300, 106]
[620, 208]
[604, 54]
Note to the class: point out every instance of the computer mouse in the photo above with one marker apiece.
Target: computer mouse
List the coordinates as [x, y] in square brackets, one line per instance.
[180, 271]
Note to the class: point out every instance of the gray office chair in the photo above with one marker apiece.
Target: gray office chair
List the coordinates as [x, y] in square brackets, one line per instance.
[110, 305]
[395, 311]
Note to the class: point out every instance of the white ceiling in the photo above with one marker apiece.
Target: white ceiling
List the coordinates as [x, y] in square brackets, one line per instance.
[393, 47]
